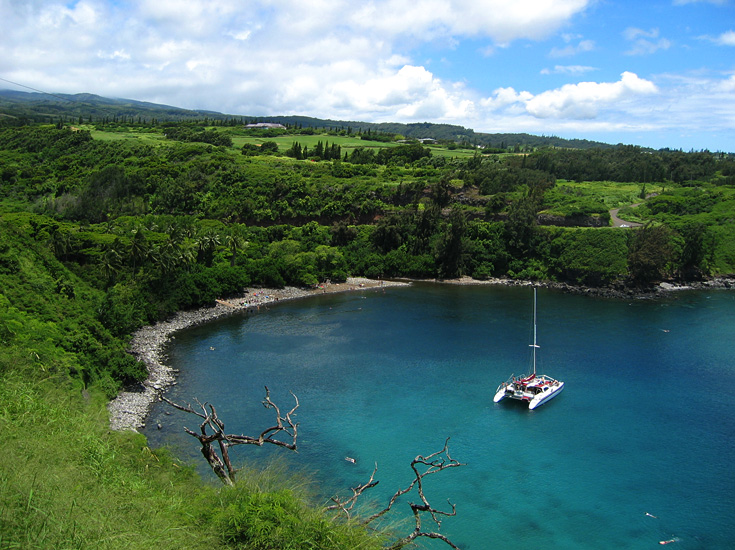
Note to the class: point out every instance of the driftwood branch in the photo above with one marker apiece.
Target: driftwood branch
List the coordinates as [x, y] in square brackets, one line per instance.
[422, 466]
[212, 430]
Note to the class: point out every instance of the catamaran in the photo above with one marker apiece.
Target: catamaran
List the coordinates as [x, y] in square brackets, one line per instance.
[534, 388]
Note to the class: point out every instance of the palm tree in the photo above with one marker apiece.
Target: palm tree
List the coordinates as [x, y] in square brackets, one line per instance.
[207, 244]
[112, 261]
[235, 241]
[139, 247]
[188, 251]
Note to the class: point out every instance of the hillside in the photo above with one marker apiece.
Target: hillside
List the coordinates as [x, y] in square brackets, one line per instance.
[16, 107]
[112, 225]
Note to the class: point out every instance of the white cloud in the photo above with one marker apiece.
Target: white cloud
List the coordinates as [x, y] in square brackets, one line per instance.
[571, 49]
[579, 101]
[645, 42]
[410, 93]
[487, 51]
[725, 39]
[499, 20]
[117, 54]
[726, 86]
[283, 57]
[568, 69]
[585, 99]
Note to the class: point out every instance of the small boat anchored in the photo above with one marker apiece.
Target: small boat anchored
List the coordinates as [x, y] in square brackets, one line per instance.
[534, 388]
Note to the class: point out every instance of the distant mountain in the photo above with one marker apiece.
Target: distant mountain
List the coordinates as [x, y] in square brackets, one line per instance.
[38, 106]
[23, 107]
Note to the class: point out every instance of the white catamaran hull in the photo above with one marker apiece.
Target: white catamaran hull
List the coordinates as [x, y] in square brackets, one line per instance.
[535, 394]
[500, 395]
[548, 395]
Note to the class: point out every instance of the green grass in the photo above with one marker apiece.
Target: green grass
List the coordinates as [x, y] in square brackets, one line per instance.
[444, 152]
[612, 193]
[285, 142]
[149, 138]
[67, 482]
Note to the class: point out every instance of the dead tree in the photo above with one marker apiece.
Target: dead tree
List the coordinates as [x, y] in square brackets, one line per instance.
[422, 466]
[220, 461]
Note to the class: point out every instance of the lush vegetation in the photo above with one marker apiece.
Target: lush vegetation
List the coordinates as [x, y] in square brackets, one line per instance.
[66, 481]
[105, 228]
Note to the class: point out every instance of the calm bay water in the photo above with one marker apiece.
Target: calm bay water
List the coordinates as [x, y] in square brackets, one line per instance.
[645, 423]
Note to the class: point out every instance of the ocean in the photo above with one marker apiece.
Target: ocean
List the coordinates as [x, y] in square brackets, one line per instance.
[645, 424]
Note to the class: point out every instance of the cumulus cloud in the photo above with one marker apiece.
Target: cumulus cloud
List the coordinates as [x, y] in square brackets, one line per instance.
[645, 42]
[585, 99]
[279, 57]
[579, 101]
[499, 20]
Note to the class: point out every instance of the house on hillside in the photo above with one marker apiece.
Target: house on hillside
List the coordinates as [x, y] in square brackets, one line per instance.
[266, 126]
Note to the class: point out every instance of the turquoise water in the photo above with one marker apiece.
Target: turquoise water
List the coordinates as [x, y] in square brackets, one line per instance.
[645, 423]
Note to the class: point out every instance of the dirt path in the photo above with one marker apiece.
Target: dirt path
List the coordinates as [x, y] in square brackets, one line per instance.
[617, 222]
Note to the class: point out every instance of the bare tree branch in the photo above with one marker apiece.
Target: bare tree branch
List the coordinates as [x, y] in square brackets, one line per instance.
[220, 462]
[422, 466]
[347, 505]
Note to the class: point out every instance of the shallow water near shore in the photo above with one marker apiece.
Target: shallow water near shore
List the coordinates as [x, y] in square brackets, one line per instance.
[646, 422]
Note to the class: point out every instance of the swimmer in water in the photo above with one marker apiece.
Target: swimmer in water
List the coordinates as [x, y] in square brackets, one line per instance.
[350, 459]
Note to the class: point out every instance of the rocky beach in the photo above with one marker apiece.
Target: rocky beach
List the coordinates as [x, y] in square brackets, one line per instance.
[130, 408]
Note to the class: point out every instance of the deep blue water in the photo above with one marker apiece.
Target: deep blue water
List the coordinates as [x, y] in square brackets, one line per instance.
[645, 423]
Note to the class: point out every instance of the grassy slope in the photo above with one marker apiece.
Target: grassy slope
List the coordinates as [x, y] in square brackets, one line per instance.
[66, 481]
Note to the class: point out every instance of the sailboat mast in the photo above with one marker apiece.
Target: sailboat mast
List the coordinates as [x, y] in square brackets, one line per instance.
[534, 331]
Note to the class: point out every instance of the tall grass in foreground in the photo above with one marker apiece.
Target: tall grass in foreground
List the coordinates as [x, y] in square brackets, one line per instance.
[67, 482]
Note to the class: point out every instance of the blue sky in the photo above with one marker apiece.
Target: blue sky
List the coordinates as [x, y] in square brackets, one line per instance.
[657, 73]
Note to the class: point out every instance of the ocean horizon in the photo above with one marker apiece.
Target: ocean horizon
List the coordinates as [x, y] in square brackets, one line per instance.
[644, 426]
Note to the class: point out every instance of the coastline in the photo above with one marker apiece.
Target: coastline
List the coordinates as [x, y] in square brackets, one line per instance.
[129, 410]
[618, 291]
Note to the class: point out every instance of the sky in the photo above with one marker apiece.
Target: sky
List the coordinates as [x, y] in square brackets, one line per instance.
[655, 73]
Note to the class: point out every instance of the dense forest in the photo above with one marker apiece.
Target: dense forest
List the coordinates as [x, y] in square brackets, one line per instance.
[111, 225]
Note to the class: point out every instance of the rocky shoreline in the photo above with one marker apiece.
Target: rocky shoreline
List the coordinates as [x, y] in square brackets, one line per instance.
[618, 291]
[130, 408]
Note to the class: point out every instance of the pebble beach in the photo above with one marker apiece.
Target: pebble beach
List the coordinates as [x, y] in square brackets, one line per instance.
[128, 411]
[130, 408]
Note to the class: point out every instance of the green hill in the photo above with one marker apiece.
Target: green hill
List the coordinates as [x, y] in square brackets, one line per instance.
[18, 107]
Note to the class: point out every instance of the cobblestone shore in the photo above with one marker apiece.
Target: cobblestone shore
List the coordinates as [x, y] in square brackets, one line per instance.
[130, 408]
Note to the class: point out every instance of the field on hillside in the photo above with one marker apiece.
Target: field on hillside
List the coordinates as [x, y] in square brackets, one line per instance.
[613, 194]
[153, 136]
